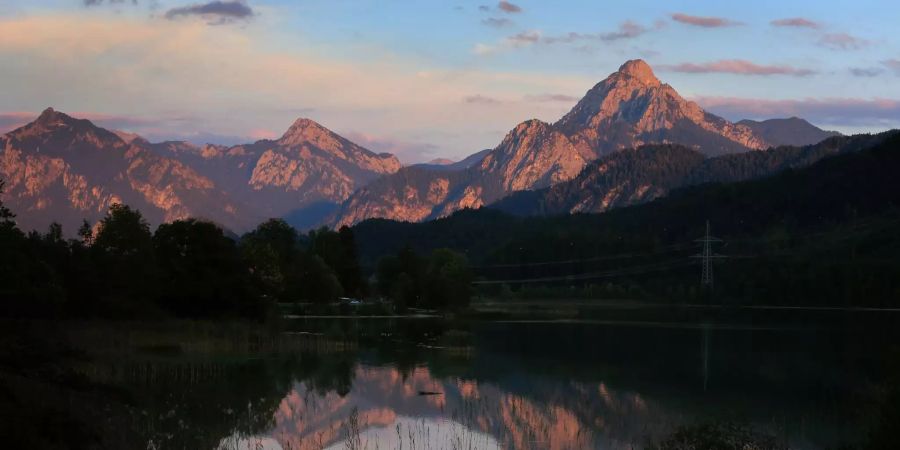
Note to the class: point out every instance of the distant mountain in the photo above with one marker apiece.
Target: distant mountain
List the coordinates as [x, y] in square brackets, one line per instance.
[65, 169]
[630, 108]
[791, 131]
[652, 171]
[302, 176]
[448, 164]
[842, 193]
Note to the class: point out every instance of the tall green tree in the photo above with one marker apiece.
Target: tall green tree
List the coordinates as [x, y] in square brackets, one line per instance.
[273, 252]
[28, 285]
[338, 251]
[123, 251]
[205, 273]
[448, 280]
[288, 272]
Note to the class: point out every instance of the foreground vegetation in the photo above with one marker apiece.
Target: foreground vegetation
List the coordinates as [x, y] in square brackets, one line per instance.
[190, 268]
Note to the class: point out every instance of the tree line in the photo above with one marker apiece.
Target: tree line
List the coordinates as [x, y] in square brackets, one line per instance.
[191, 268]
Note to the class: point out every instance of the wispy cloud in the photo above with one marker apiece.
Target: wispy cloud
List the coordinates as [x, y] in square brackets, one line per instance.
[796, 22]
[739, 67]
[627, 30]
[548, 98]
[479, 99]
[509, 8]
[518, 40]
[867, 72]
[216, 12]
[407, 151]
[108, 2]
[705, 22]
[497, 22]
[893, 64]
[877, 112]
[842, 41]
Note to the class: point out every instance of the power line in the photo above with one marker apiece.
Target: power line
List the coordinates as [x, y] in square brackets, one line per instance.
[636, 270]
[661, 250]
[706, 271]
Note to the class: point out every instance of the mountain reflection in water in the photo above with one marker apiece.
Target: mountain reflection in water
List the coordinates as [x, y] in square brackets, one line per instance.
[527, 385]
[572, 385]
[392, 411]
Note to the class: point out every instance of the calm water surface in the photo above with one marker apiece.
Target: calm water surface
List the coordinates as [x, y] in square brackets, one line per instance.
[531, 384]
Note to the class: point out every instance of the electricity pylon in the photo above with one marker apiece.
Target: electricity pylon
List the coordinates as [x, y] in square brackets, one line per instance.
[706, 272]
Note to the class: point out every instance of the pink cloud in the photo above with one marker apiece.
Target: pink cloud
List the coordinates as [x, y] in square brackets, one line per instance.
[876, 112]
[796, 22]
[407, 151]
[508, 7]
[842, 41]
[740, 67]
[261, 133]
[11, 120]
[551, 98]
[627, 30]
[893, 64]
[479, 99]
[705, 22]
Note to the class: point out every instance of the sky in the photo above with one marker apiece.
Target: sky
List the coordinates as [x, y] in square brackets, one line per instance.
[438, 78]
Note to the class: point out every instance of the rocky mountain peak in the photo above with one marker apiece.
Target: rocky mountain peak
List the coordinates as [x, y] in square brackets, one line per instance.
[306, 131]
[640, 71]
[51, 117]
[632, 107]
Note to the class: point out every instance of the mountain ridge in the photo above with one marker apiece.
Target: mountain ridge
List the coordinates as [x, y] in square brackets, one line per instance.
[629, 108]
[65, 169]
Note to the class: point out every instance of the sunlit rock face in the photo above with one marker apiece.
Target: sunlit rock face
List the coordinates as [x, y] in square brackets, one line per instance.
[629, 108]
[63, 169]
[59, 168]
[632, 107]
[309, 164]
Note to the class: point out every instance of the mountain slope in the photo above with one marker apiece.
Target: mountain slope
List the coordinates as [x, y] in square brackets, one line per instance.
[446, 164]
[65, 169]
[307, 167]
[790, 131]
[631, 107]
[650, 172]
[843, 189]
[58, 168]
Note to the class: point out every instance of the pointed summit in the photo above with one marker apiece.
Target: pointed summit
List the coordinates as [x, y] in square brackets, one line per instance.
[640, 70]
[303, 123]
[305, 130]
[50, 115]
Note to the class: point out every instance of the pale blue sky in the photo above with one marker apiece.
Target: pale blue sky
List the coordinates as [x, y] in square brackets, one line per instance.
[435, 78]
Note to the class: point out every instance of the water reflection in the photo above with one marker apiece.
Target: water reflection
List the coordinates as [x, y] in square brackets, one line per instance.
[419, 410]
[502, 385]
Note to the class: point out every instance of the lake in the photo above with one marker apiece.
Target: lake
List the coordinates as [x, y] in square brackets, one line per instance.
[804, 379]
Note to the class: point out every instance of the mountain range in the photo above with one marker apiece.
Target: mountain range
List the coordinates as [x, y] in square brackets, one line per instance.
[652, 171]
[64, 169]
[630, 108]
